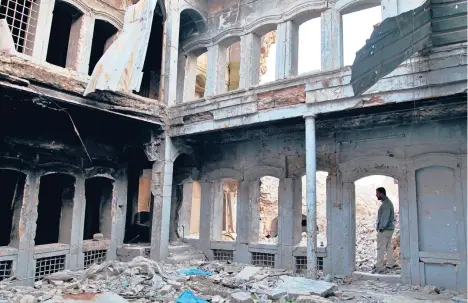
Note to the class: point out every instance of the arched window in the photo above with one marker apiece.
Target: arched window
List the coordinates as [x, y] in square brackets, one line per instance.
[11, 200]
[55, 209]
[64, 35]
[357, 28]
[98, 213]
[103, 36]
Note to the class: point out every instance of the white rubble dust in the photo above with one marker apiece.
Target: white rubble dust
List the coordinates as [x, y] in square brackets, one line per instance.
[146, 281]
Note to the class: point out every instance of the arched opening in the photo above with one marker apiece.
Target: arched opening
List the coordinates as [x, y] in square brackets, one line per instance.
[192, 67]
[64, 35]
[55, 209]
[139, 198]
[103, 36]
[357, 28]
[321, 187]
[309, 46]
[267, 71]
[11, 200]
[21, 16]
[232, 69]
[192, 78]
[191, 24]
[366, 215]
[98, 211]
[268, 209]
[230, 188]
[150, 82]
[183, 216]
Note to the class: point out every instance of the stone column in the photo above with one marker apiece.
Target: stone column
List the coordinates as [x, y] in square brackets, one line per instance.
[181, 61]
[25, 267]
[216, 215]
[76, 237]
[242, 241]
[297, 212]
[42, 34]
[332, 40]
[216, 68]
[286, 222]
[311, 170]
[190, 77]
[185, 211]
[170, 53]
[161, 188]
[348, 228]
[205, 219]
[254, 211]
[330, 203]
[119, 209]
[79, 44]
[287, 46]
[250, 60]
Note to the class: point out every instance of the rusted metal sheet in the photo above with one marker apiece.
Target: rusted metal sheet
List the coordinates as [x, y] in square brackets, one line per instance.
[435, 23]
[121, 66]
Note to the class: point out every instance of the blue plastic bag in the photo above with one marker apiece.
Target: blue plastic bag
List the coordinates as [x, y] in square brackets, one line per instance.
[187, 296]
[195, 272]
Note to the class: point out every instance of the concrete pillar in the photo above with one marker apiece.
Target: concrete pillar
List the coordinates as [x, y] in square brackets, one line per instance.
[389, 8]
[311, 170]
[287, 46]
[286, 223]
[348, 228]
[180, 94]
[297, 212]
[170, 53]
[254, 211]
[79, 45]
[119, 209]
[190, 77]
[216, 215]
[76, 238]
[161, 188]
[216, 69]
[205, 216]
[25, 267]
[242, 241]
[331, 200]
[335, 234]
[250, 60]
[185, 211]
[332, 40]
[42, 34]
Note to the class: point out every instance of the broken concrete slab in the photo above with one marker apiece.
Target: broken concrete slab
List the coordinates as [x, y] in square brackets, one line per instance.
[297, 286]
[312, 299]
[241, 297]
[247, 273]
[276, 294]
[106, 297]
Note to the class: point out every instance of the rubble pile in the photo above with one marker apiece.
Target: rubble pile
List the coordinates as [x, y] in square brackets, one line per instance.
[146, 281]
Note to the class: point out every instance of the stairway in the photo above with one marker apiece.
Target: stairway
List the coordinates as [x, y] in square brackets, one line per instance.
[183, 252]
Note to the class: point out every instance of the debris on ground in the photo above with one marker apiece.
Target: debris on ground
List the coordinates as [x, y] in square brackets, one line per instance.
[146, 281]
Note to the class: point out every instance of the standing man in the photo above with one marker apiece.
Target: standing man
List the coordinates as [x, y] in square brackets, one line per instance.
[385, 228]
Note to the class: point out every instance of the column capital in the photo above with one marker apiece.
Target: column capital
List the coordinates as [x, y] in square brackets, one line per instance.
[309, 115]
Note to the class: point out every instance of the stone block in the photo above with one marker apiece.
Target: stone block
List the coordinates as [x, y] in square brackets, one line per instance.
[166, 289]
[297, 286]
[247, 273]
[175, 284]
[98, 237]
[241, 297]
[276, 294]
[312, 299]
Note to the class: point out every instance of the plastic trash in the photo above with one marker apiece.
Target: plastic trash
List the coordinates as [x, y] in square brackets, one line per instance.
[194, 272]
[187, 296]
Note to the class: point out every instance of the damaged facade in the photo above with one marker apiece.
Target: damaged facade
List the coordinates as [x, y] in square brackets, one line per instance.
[118, 146]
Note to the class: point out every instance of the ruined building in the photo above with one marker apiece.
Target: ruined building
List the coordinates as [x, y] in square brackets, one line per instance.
[128, 126]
